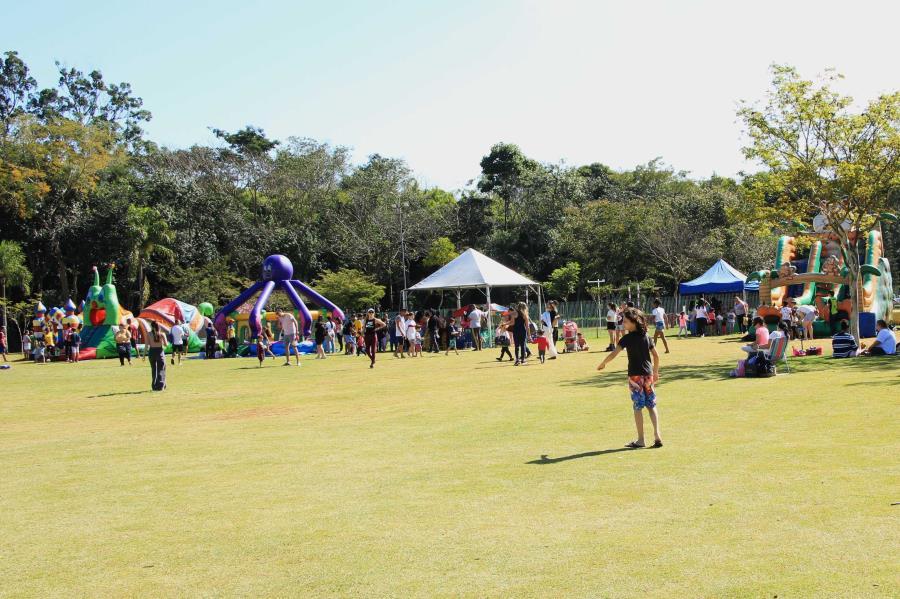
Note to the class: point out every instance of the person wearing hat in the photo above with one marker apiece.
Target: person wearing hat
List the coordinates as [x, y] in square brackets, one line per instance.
[371, 326]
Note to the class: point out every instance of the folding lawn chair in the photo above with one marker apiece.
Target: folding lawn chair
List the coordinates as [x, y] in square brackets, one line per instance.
[778, 352]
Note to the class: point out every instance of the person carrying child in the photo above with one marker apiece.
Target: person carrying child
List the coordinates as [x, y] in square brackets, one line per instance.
[642, 374]
[26, 347]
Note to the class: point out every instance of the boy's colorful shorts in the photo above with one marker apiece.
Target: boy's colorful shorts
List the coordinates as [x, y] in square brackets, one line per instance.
[642, 393]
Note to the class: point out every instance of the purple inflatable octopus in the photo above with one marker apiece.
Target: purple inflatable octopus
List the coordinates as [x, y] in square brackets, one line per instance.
[276, 270]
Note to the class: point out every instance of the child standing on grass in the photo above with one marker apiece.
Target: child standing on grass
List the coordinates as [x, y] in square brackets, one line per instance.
[75, 338]
[452, 336]
[543, 345]
[641, 374]
[261, 347]
[417, 344]
[26, 347]
[682, 324]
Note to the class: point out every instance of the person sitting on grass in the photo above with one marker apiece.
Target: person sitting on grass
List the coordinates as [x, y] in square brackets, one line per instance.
[581, 342]
[761, 337]
[885, 343]
[641, 375]
[843, 343]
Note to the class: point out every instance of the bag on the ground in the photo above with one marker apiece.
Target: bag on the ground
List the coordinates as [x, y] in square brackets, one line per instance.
[760, 366]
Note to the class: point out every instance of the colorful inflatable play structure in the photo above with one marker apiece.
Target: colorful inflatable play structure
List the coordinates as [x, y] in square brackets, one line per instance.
[168, 311]
[821, 278]
[102, 313]
[277, 271]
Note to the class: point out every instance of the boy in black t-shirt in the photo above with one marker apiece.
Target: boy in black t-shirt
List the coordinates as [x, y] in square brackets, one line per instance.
[642, 374]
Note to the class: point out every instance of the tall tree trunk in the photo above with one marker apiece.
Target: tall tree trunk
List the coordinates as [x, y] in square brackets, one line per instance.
[855, 288]
[3, 297]
[140, 286]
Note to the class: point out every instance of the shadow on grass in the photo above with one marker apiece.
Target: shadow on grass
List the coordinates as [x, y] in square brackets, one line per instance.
[717, 371]
[577, 456]
[120, 393]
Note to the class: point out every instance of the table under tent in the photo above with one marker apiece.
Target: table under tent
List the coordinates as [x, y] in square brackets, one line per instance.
[474, 270]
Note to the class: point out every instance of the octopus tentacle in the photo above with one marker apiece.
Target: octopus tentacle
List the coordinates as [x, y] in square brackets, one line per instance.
[305, 316]
[233, 305]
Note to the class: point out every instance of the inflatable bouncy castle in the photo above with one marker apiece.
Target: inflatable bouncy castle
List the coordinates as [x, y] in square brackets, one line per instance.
[166, 312]
[102, 315]
[821, 278]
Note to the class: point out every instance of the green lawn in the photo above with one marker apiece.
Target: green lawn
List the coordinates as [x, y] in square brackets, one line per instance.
[426, 478]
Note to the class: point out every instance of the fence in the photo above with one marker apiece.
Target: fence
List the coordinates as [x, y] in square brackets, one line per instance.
[589, 314]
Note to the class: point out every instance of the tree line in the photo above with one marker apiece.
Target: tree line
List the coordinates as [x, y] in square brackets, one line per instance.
[81, 184]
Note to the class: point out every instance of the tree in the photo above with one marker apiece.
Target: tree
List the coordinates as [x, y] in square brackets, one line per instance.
[16, 85]
[440, 253]
[564, 280]
[503, 172]
[349, 288]
[13, 271]
[822, 157]
[67, 159]
[150, 236]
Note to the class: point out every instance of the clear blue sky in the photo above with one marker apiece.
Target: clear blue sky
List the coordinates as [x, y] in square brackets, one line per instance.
[437, 83]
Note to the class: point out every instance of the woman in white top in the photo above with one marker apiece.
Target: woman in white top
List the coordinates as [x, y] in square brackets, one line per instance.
[611, 317]
[659, 318]
[700, 315]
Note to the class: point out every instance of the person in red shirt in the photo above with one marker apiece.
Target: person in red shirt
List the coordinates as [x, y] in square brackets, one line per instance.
[543, 344]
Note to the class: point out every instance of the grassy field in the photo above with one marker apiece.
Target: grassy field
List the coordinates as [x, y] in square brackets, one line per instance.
[450, 476]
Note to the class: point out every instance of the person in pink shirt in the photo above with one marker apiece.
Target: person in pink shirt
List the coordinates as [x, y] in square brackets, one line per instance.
[761, 337]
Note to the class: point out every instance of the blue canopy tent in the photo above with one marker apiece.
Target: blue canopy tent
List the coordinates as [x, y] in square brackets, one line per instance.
[720, 278]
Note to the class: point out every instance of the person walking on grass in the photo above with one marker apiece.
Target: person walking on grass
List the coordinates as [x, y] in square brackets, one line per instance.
[156, 343]
[520, 332]
[550, 328]
[76, 342]
[659, 318]
[133, 328]
[123, 345]
[320, 333]
[475, 325]
[612, 315]
[371, 326]
[3, 343]
[401, 347]
[290, 332]
[178, 340]
[452, 336]
[642, 374]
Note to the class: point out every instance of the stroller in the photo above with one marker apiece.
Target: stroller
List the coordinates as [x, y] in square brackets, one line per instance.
[570, 336]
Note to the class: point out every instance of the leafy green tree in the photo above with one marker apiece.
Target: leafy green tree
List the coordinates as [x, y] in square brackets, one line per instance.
[150, 236]
[13, 271]
[504, 172]
[824, 157]
[16, 86]
[349, 288]
[564, 281]
[440, 253]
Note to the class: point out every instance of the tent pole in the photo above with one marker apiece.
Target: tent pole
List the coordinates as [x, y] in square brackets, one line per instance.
[540, 301]
[490, 312]
[458, 299]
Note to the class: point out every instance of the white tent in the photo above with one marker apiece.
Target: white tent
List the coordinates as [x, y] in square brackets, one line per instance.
[474, 270]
